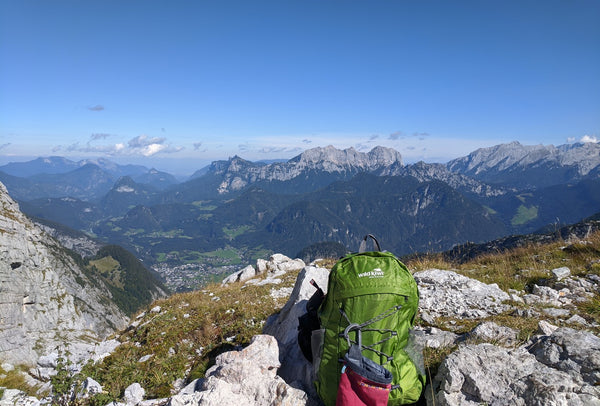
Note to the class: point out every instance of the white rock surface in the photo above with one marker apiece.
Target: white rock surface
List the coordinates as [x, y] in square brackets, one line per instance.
[560, 369]
[241, 276]
[15, 397]
[268, 272]
[561, 273]
[284, 327]
[134, 394]
[246, 377]
[89, 387]
[448, 294]
[46, 299]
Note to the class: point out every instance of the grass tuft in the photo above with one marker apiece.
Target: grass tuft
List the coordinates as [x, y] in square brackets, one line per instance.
[186, 336]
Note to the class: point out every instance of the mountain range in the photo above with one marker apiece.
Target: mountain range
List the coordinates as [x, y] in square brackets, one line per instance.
[229, 212]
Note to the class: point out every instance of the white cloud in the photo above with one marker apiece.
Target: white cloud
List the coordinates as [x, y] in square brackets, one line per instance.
[152, 149]
[584, 139]
[140, 145]
[589, 138]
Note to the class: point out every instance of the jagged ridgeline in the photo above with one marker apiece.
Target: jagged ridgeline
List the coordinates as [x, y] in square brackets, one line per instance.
[235, 211]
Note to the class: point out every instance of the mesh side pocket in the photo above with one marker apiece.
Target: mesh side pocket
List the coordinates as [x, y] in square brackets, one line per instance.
[317, 340]
[414, 350]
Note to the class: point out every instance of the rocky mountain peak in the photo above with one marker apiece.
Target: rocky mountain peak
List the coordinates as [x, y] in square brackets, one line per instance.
[124, 181]
[385, 156]
[530, 166]
[238, 173]
[586, 156]
[232, 165]
[328, 154]
[498, 157]
[331, 157]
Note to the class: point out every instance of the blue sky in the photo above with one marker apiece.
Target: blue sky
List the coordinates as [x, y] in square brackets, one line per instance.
[177, 84]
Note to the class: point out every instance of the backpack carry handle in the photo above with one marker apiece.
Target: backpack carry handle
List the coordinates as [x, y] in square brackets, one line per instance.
[363, 243]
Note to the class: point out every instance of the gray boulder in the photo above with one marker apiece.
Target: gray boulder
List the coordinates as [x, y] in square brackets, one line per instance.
[284, 327]
[12, 397]
[448, 294]
[134, 394]
[246, 377]
[572, 351]
[240, 276]
[561, 273]
[491, 332]
[277, 265]
[89, 387]
[487, 374]
[434, 337]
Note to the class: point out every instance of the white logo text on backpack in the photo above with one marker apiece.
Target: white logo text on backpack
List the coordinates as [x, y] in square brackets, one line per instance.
[375, 273]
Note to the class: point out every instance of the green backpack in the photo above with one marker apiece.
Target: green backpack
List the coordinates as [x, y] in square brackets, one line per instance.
[371, 304]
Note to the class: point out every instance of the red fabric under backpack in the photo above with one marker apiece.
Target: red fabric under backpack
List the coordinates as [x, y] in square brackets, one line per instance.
[363, 382]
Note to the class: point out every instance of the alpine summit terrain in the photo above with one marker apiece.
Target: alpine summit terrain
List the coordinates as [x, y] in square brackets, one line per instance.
[83, 321]
[519, 327]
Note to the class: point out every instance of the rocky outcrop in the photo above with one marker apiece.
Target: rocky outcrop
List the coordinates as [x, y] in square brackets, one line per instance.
[448, 294]
[560, 369]
[265, 271]
[78, 242]
[284, 327]
[45, 298]
[246, 377]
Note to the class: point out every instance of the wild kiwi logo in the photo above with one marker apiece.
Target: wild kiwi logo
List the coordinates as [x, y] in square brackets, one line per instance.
[375, 273]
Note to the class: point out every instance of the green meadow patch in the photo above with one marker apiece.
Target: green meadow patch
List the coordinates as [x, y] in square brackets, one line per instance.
[105, 265]
[204, 205]
[227, 256]
[234, 232]
[524, 215]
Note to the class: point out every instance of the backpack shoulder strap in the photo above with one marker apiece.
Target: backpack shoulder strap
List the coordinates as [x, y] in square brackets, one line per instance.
[363, 243]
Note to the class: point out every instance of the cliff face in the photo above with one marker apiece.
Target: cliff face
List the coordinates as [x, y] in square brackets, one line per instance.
[45, 298]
